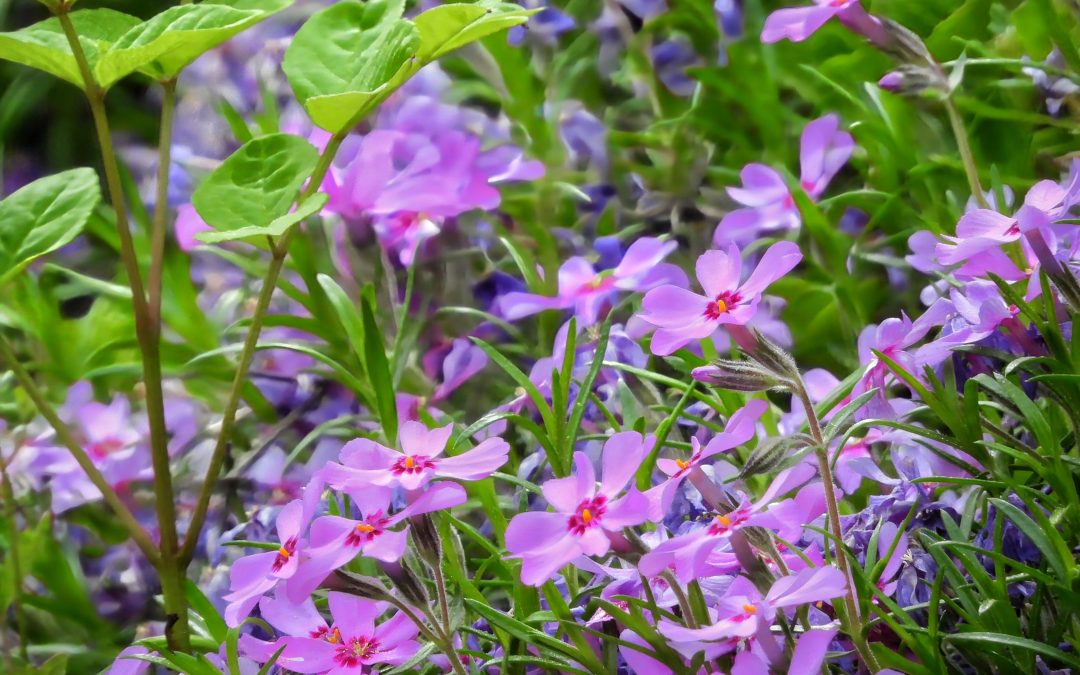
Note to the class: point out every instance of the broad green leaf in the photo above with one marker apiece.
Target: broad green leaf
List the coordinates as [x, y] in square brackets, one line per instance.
[342, 59]
[43, 216]
[43, 45]
[310, 207]
[447, 27]
[257, 184]
[349, 57]
[164, 45]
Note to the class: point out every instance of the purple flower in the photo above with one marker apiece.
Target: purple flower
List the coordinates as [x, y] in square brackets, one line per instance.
[366, 463]
[741, 427]
[743, 612]
[769, 206]
[682, 316]
[354, 642]
[798, 23]
[585, 515]
[670, 59]
[255, 575]
[589, 291]
[807, 657]
[336, 540]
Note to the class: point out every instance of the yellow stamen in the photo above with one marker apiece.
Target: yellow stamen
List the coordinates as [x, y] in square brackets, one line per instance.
[682, 463]
[283, 552]
[750, 609]
[364, 527]
[409, 462]
[721, 306]
[724, 520]
[586, 516]
[334, 637]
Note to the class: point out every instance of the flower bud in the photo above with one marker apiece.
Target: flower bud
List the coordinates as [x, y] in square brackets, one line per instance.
[406, 582]
[737, 376]
[909, 80]
[775, 359]
[765, 457]
[903, 45]
[426, 537]
[366, 587]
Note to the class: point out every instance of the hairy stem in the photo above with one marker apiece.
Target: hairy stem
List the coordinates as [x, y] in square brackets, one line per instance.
[63, 434]
[279, 252]
[852, 620]
[148, 337]
[161, 202]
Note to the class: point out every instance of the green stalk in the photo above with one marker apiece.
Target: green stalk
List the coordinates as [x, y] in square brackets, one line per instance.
[279, 251]
[135, 531]
[16, 563]
[852, 621]
[966, 155]
[149, 345]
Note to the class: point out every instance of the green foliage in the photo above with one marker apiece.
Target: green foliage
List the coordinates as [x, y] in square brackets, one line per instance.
[348, 58]
[256, 186]
[117, 44]
[43, 216]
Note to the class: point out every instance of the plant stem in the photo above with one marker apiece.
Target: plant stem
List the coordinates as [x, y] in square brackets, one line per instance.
[148, 336]
[247, 354]
[440, 589]
[966, 155]
[161, 202]
[852, 619]
[135, 531]
[680, 597]
[16, 563]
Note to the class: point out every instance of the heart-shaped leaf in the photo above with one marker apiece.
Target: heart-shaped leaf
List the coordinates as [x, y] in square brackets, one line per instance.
[164, 45]
[310, 207]
[43, 216]
[342, 58]
[44, 46]
[257, 184]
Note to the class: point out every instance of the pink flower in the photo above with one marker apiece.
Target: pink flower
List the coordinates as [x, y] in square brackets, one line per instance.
[336, 540]
[681, 316]
[769, 206]
[589, 291]
[740, 428]
[798, 23]
[744, 612]
[366, 463]
[585, 515]
[354, 641]
[255, 575]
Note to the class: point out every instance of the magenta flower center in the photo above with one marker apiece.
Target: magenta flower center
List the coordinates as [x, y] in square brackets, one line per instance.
[1014, 229]
[411, 464]
[286, 551]
[601, 282]
[356, 651]
[103, 449]
[588, 515]
[366, 530]
[726, 522]
[722, 304]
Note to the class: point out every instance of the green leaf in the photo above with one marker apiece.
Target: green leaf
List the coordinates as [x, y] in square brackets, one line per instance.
[43, 216]
[348, 58]
[992, 640]
[43, 45]
[164, 45]
[202, 606]
[342, 59]
[1037, 536]
[310, 207]
[448, 27]
[257, 184]
[378, 367]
